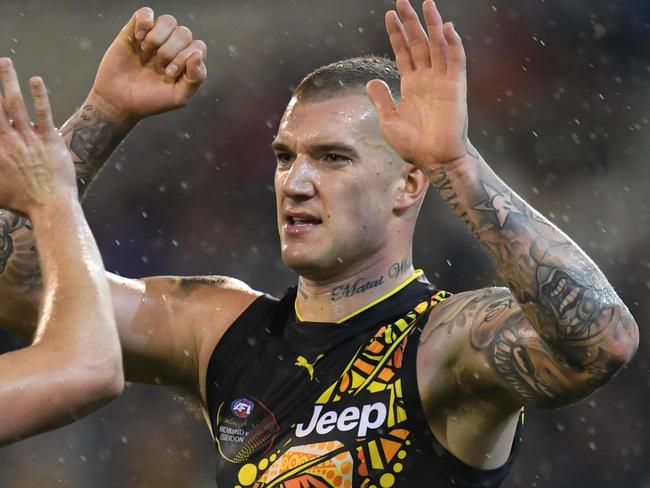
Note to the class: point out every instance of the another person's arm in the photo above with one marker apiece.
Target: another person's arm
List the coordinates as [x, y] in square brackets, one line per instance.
[562, 331]
[74, 365]
[161, 338]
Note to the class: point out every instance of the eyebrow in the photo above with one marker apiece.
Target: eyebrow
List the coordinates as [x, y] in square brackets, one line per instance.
[326, 147]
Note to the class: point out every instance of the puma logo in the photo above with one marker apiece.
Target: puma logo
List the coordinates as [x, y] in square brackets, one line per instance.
[302, 361]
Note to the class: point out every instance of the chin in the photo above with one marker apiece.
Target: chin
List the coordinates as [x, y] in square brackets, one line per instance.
[308, 263]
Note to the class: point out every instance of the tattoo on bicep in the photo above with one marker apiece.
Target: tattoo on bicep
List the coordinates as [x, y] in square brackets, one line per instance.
[524, 361]
[190, 283]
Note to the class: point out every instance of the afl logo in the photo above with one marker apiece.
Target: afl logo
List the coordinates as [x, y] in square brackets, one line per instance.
[242, 407]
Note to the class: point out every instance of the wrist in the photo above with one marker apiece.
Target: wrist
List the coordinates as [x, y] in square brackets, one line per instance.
[46, 212]
[457, 168]
[110, 111]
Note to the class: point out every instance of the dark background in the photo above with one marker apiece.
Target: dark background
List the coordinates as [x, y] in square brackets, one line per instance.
[559, 99]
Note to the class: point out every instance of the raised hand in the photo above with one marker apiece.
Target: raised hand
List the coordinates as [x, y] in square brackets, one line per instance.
[153, 65]
[35, 166]
[428, 126]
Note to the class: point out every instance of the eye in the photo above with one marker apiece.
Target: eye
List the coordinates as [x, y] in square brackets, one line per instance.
[335, 158]
[283, 158]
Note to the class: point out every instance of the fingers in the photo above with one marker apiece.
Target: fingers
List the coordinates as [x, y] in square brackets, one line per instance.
[381, 98]
[195, 73]
[456, 63]
[437, 41]
[160, 32]
[178, 65]
[417, 38]
[179, 39]
[5, 125]
[440, 47]
[44, 123]
[143, 21]
[14, 104]
[399, 42]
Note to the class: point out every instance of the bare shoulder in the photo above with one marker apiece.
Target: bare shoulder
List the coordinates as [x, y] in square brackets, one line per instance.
[169, 325]
[209, 305]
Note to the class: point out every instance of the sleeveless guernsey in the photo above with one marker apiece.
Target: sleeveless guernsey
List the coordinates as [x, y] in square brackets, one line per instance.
[296, 404]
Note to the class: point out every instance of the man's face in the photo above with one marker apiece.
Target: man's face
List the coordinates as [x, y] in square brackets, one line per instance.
[334, 183]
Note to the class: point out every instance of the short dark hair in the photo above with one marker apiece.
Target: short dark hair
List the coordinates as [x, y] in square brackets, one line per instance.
[348, 75]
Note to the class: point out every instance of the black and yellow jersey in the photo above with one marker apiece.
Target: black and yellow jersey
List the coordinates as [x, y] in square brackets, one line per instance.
[296, 404]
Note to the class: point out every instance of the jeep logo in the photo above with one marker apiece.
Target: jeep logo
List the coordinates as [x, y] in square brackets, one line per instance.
[367, 418]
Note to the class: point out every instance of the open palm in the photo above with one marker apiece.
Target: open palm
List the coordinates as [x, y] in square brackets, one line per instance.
[428, 126]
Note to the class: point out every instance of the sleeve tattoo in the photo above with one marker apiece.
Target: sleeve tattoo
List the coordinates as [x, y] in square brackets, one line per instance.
[562, 321]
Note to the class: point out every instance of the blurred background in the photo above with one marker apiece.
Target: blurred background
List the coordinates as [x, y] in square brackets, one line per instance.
[559, 106]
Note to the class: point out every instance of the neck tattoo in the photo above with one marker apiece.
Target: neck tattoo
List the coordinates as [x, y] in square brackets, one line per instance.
[361, 285]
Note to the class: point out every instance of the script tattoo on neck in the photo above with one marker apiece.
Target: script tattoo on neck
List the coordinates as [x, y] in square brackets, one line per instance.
[362, 284]
[301, 290]
[398, 269]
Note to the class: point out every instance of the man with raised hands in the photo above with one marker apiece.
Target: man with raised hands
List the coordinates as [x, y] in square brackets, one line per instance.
[365, 374]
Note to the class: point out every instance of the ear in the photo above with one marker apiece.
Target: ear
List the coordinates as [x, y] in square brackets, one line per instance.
[413, 185]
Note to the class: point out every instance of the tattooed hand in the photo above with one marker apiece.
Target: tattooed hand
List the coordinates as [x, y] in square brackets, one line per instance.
[154, 65]
[428, 127]
[35, 166]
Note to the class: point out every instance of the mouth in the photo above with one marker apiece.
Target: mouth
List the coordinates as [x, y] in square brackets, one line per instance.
[297, 224]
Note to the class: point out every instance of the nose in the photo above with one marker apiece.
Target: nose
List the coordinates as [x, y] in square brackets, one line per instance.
[299, 180]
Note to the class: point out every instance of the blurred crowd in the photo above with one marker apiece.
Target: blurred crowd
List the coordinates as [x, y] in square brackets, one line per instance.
[559, 96]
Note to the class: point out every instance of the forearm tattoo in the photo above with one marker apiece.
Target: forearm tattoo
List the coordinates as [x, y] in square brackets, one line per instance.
[91, 138]
[581, 321]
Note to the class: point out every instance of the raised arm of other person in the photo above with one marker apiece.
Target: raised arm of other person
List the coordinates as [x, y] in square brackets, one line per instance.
[152, 66]
[560, 331]
[158, 318]
[74, 365]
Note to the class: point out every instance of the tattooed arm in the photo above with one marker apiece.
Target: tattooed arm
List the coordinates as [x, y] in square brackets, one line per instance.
[566, 331]
[152, 66]
[136, 78]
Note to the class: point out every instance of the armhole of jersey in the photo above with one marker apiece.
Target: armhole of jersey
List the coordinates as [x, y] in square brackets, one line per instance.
[445, 463]
[228, 347]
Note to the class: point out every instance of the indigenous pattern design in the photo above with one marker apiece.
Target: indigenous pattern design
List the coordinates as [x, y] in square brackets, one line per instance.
[364, 408]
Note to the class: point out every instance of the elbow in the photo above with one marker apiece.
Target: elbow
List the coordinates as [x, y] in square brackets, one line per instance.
[111, 383]
[619, 346]
[623, 342]
[104, 376]
[107, 380]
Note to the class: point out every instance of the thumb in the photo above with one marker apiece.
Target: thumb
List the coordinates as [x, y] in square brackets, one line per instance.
[195, 74]
[381, 98]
